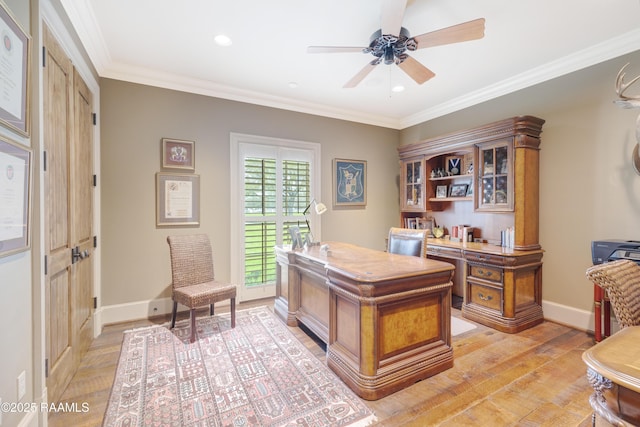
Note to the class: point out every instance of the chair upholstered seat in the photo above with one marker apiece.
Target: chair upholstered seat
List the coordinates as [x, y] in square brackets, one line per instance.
[621, 280]
[193, 283]
[407, 241]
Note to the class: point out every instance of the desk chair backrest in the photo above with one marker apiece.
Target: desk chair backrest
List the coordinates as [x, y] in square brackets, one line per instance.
[407, 241]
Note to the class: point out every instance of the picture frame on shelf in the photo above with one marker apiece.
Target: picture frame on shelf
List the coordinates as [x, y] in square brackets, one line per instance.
[470, 190]
[178, 154]
[453, 165]
[458, 190]
[441, 192]
[177, 199]
[15, 193]
[349, 183]
[15, 55]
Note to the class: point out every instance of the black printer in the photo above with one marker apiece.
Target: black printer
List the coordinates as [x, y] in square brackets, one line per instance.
[612, 250]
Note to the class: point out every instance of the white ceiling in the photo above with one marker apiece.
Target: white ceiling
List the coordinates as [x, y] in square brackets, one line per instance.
[169, 43]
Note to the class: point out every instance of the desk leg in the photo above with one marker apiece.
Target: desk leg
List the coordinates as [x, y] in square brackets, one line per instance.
[597, 303]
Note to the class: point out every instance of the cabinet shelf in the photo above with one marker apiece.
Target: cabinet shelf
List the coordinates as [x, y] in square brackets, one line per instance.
[449, 178]
[451, 199]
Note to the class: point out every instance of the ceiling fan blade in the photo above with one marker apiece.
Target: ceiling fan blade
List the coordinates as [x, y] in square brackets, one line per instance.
[355, 80]
[391, 16]
[334, 49]
[416, 70]
[471, 30]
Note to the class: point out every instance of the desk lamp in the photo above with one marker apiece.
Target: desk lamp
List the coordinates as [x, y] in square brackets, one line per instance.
[320, 209]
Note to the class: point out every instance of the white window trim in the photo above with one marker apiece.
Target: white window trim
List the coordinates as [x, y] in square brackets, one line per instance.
[237, 202]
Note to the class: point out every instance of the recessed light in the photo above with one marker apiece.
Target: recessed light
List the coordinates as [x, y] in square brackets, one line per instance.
[397, 89]
[293, 85]
[222, 40]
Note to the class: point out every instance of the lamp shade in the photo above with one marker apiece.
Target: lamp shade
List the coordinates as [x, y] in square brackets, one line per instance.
[320, 208]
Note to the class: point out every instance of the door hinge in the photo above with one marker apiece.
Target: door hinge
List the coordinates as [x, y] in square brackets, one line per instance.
[95, 180]
[95, 118]
[95, 241]
[46, 266]
[95, 302]
[44, 56]
[44, 161]
[46, 368]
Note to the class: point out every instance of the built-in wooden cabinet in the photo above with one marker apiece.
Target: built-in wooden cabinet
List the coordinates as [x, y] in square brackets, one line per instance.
[413, 187]
[498, 166]
[495, 176]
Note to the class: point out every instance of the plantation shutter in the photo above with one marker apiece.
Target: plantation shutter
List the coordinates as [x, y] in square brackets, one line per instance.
[262, 216]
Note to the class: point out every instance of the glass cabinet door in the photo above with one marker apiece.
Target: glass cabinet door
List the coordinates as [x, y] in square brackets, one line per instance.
[495, 177]
[413, 185]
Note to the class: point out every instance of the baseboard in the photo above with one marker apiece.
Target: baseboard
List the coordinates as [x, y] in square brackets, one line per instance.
[559, 313]
[570, 316]
[117, 313]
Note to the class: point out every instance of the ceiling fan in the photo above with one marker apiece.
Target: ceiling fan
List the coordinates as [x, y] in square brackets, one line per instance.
[391, 42]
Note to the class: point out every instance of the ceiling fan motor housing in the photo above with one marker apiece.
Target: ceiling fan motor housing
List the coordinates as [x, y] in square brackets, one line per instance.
[391, 48]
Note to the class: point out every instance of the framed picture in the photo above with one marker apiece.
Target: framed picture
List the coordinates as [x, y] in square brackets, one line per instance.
[178, 199]
[178, 154]
[453, 165]
[458, 190]
[296, 237]
[14, 57]
[441, 191]
[349, 182]
[15, 197]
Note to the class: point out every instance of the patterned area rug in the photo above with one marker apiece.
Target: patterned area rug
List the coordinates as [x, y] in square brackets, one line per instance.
[257, 374]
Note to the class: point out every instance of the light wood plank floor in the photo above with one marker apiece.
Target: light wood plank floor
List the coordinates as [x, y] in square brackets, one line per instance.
[534, 378]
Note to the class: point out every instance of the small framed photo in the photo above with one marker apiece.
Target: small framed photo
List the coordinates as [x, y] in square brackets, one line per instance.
[178, 154]
[453, 165]
[458, 190]
[470, 190]
[296, 237]
[441, 192]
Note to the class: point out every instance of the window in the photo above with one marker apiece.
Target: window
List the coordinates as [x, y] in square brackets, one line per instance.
[275, 179]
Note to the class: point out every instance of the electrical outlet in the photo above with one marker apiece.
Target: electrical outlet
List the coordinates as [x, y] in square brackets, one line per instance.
[22, 385]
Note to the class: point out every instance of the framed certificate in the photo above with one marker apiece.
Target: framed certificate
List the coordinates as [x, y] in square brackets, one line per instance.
[14, 74]
[178, 199]
[15, 196]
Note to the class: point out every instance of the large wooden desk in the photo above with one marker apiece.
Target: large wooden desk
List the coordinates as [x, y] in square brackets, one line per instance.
[386, 318]
[614, 373]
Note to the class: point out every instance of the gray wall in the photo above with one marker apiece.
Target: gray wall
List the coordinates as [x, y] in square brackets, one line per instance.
[134, 119]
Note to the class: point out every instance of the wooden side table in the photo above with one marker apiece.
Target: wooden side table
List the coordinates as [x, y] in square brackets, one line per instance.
[601, 302]
[613, 370]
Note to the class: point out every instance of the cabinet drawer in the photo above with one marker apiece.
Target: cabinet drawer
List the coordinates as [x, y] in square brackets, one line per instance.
[485, 296]
[486, 273]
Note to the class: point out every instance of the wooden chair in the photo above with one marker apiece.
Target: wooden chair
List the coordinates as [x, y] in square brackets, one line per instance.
[193, 283]
[621, 280]
[407, 241]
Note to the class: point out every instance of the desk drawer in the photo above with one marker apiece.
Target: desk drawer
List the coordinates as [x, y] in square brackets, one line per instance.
[485, 296]
[486, 273]
[484, 258]
[444, 252]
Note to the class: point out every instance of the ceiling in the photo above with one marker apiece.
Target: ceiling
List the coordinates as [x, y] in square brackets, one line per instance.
[170, 44]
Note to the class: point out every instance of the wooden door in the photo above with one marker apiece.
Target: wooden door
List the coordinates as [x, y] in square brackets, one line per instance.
[68, 184]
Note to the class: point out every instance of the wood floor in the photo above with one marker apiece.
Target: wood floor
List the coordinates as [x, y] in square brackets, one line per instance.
[534, 378]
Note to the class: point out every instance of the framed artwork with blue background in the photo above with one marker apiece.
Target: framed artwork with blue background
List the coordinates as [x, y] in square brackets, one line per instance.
[349, 182]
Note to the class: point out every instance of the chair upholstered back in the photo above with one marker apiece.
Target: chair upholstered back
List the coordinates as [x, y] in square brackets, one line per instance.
[407, 241]
[191, 259]
[621, 280]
